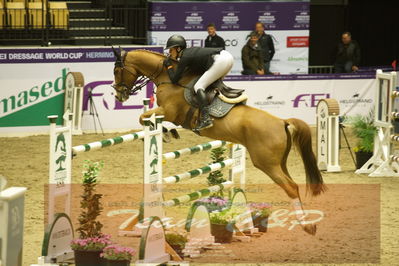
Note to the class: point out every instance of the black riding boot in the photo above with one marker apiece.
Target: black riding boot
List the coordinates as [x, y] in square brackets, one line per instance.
[205, 119]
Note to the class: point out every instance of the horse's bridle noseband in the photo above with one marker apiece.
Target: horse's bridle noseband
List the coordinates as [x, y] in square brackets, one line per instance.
[139, 83]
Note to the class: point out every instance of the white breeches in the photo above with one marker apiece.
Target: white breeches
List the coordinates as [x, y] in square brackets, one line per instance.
[222, 65]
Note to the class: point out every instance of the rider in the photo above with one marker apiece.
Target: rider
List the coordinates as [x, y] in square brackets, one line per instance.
[211, 63]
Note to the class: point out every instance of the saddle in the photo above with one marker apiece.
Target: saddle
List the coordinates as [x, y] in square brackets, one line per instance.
[219, 89]
[221, 99]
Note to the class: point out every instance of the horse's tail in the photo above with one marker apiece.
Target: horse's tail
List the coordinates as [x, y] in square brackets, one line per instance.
[302, 138]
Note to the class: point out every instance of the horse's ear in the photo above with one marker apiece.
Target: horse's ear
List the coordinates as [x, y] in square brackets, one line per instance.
[122, 52]
[117, 55]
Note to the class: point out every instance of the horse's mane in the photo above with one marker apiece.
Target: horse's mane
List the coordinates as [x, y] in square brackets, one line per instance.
[150, 52]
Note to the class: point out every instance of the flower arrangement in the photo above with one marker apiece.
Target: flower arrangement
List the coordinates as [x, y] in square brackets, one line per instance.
[262, 209]
[91, 243]
[214, 203]
[116, 252]
[223, 217]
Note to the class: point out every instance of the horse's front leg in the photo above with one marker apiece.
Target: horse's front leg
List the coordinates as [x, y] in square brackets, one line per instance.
[167, 133]
[149, 113]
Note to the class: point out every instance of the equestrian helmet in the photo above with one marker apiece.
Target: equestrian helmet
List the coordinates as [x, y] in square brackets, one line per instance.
[176, 41]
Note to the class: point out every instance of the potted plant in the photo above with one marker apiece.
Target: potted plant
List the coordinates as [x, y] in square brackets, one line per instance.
[87, 250]
[91, 241]
[116, 255]
[260, 213]
[177, 242]
[216, 177]
[222, 224]
[365, 131]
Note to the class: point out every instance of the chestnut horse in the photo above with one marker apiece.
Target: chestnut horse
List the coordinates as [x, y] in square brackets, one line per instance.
[267, 138]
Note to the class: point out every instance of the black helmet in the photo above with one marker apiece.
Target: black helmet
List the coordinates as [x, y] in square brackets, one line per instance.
[176, 41]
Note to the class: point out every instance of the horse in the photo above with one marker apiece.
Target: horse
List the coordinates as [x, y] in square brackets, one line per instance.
[267, 138]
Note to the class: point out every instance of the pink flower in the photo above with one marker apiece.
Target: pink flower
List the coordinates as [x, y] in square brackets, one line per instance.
[116, 252]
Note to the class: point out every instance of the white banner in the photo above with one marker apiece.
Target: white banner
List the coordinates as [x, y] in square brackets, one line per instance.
[299, 98]
[287, 60]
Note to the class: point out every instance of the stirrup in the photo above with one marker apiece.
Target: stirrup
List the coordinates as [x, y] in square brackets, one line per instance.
[201, 125]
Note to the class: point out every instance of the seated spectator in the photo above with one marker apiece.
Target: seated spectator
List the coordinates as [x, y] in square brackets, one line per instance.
[347, 56]
[213, 40]
[252, 57]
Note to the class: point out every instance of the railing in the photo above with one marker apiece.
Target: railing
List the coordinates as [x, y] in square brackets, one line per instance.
[321, 69]
[132, 15]
[33, 22]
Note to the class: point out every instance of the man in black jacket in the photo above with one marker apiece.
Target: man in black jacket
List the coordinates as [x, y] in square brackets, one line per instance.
[211, 63]
[213, 40]
[251, 56]
[267, 45]
[347, 58]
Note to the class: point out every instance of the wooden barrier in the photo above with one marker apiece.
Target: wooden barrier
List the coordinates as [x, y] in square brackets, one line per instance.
[11, 224]
[383, 162]
[73, 101]
[328, 135]
[59, 231]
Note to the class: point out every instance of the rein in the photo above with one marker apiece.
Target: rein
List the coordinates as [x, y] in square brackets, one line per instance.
[140, 82]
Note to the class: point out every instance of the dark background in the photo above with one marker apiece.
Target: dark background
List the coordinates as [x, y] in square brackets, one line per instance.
[373, 24]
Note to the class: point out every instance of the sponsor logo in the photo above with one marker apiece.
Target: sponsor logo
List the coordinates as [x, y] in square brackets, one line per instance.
[296, 59]
[37, 93]
[356, 99]
[233, 42]
[308, 99]
[269, 102]
[195, 42]
[298, 41]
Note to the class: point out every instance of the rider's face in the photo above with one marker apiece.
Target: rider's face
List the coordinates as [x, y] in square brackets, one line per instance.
[173, 52]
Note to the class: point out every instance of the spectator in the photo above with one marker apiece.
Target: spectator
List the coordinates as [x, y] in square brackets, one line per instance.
[213, 40]
[252, 57]
[267, 46]
[347, 57]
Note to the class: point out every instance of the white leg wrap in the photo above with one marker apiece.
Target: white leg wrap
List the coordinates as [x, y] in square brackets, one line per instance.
[300, 214]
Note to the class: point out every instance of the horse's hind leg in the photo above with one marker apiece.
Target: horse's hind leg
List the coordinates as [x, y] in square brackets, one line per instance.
[279, 174]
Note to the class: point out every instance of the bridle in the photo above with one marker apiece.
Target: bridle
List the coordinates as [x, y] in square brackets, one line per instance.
[139, 83]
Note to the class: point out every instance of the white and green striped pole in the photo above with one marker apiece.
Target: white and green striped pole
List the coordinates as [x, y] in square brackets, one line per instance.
[107, 142]
[199, 171]
[197, 194]
[195, 149]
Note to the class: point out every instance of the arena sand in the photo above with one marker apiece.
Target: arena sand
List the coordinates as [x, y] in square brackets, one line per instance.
[361, 214]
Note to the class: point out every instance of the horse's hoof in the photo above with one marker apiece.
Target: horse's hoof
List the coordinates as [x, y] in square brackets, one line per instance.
[174, 133]
[166, 137]
[310, 229]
